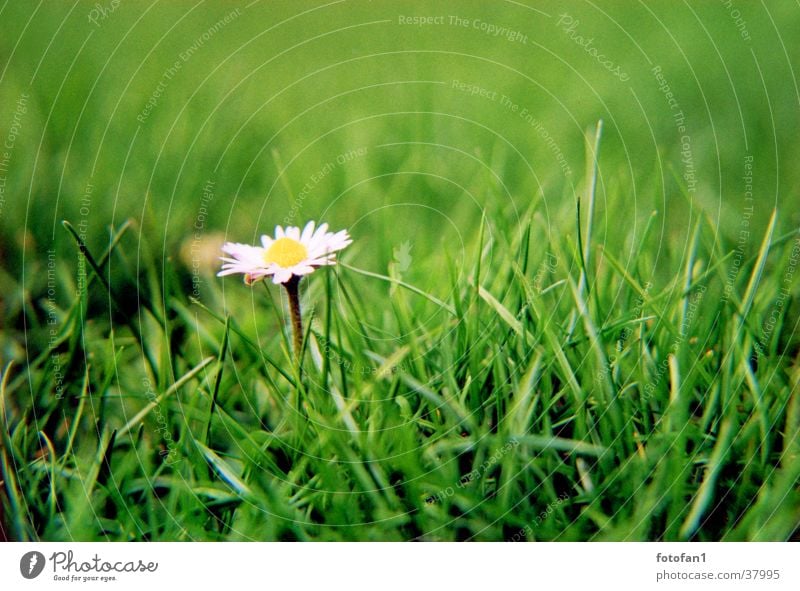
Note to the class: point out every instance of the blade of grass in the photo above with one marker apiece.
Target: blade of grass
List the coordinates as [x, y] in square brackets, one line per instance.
[225, 471]
[403, 284]
[218, 378]
[758, 269]
[705, 494]
[182, 381]
[502, 311]
[246, 340]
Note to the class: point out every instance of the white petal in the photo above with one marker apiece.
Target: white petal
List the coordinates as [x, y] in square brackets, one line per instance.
[234, 247]
[282, 276]
[293, 233]
[326, 248]
[225, 272]
[321, 230]
[266, 241]
[244, 252]
[302, 269]
[308, 232]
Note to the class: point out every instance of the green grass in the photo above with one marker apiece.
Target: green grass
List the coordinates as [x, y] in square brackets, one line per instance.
[506, 353]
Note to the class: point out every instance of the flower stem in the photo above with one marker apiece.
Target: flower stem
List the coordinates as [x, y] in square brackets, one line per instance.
[293, 290]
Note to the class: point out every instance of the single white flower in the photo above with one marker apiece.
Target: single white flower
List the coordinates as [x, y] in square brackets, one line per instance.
[291, 253]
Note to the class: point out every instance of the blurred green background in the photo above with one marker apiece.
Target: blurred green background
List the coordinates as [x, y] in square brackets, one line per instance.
[130, 108]
[406, 123]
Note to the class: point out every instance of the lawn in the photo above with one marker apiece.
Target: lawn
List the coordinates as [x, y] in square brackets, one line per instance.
[569, 311]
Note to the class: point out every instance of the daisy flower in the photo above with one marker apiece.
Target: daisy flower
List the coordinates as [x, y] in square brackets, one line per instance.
[291, 253]
[286, 258]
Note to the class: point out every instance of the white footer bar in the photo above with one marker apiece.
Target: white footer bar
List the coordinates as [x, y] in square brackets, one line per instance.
[356, 566]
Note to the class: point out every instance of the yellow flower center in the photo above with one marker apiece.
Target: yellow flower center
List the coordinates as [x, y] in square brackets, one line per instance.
[285, 252]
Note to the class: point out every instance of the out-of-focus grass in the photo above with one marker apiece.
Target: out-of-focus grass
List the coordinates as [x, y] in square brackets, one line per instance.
[313, 81]
[638, 383]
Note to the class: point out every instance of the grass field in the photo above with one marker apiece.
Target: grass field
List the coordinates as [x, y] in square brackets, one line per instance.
[570, 310]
